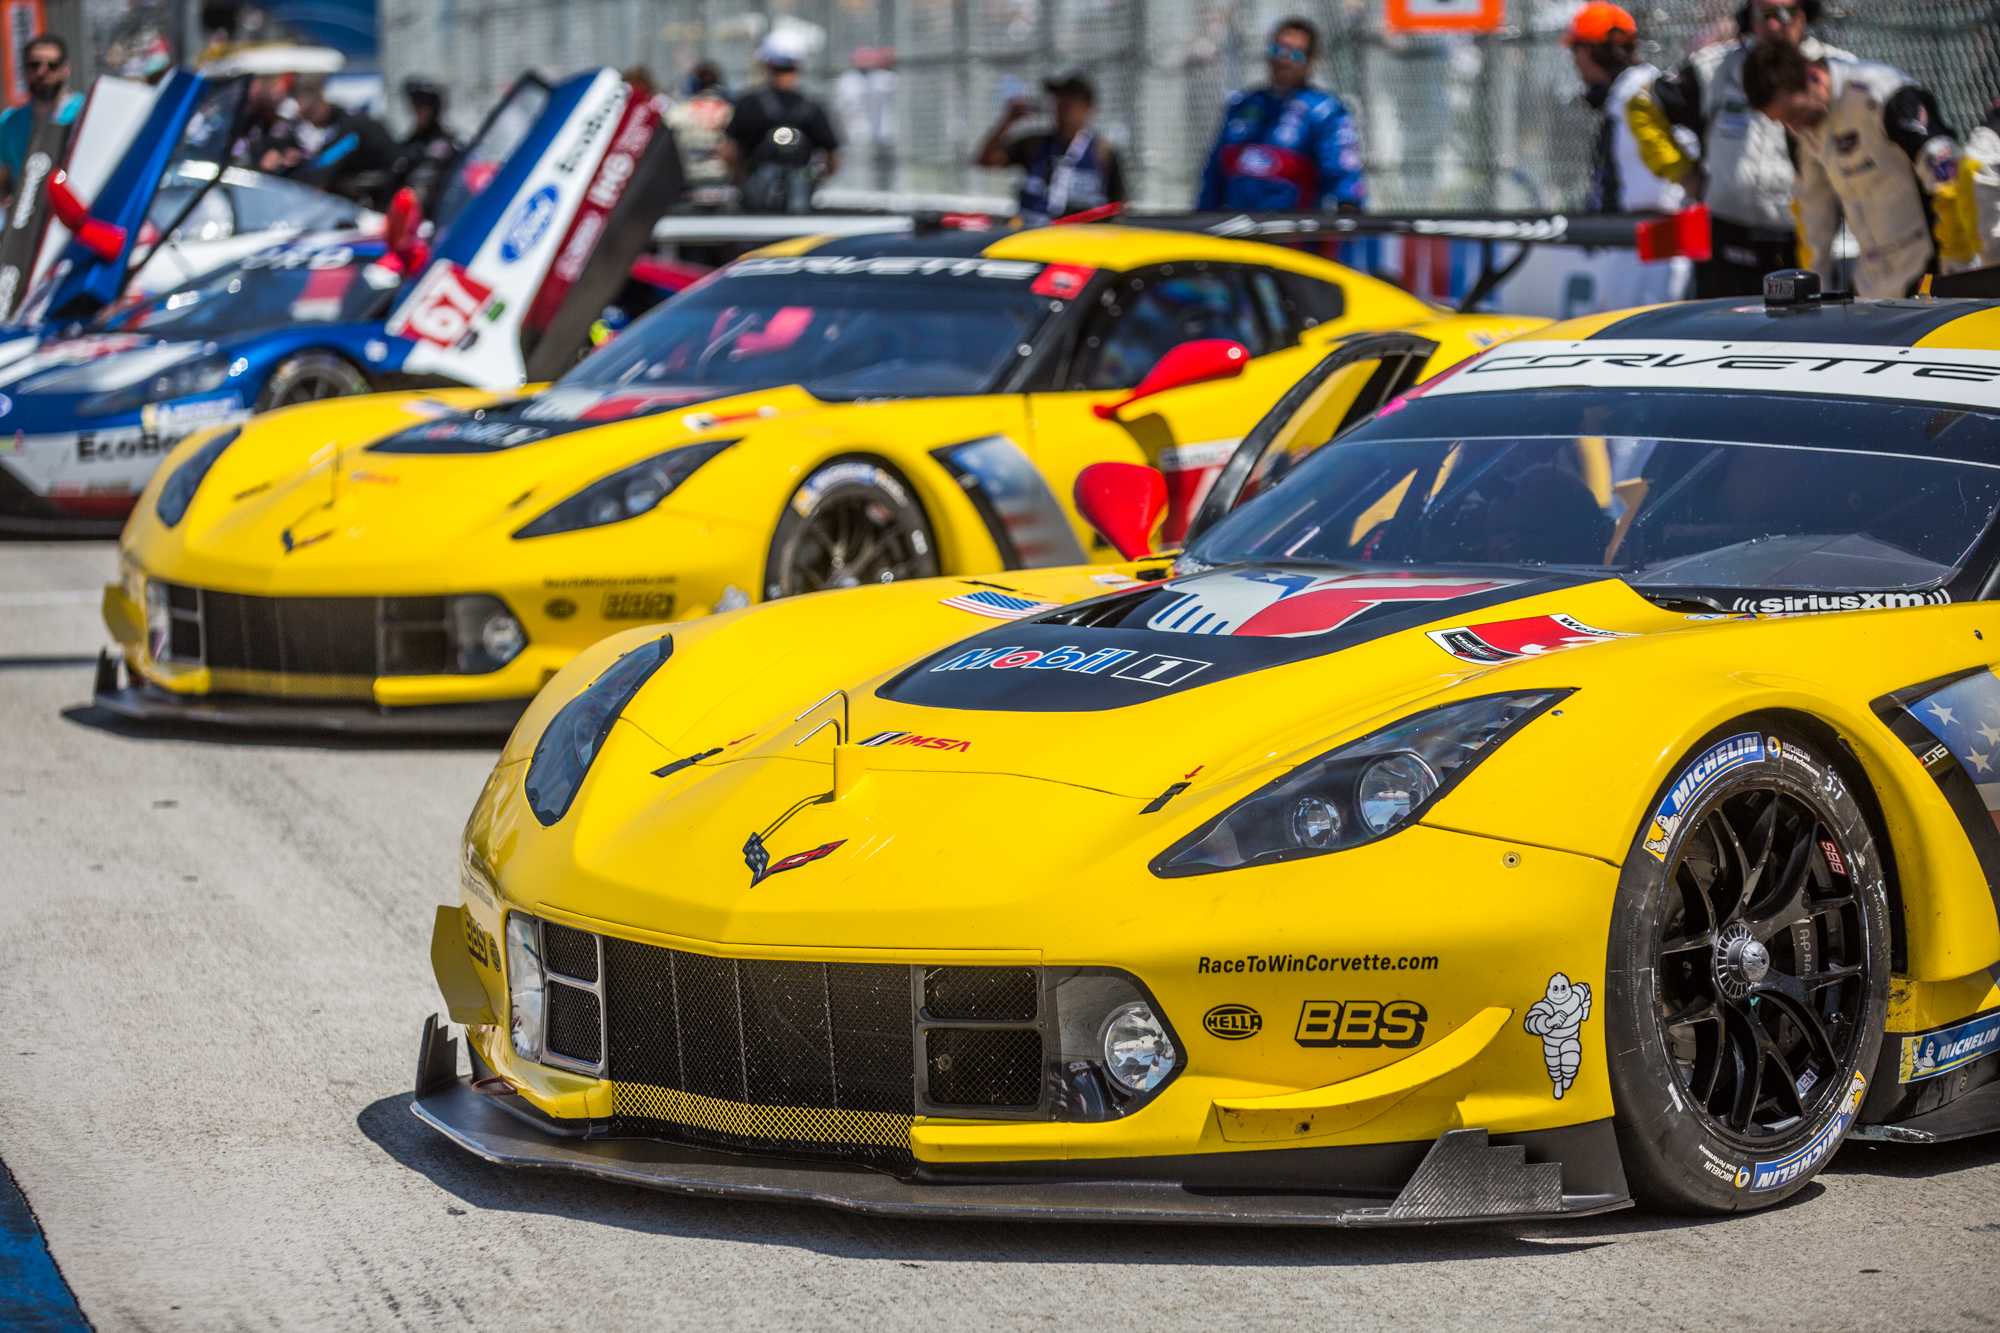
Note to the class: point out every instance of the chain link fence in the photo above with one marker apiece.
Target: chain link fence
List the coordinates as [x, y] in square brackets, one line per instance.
[1488, 122]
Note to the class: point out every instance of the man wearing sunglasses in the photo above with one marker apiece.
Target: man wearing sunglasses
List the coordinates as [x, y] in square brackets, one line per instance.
[1744, 170]
[1286, 147]
[41, 125]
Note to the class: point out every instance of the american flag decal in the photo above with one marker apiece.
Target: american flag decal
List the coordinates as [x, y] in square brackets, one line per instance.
[999, 605]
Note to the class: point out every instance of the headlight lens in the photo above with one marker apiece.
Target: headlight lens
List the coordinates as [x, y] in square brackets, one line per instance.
[1361, 791]
[201, 375]
[159, 621]
[186, 479]
[486, 632]
[527, 985]
[1137, 1050]
[576, 734]
[627, 494]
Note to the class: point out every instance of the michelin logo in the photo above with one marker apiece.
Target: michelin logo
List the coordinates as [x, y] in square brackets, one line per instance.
[1929, 1054]
[1775, 1175]
[1557, 1018]
[1711, 764]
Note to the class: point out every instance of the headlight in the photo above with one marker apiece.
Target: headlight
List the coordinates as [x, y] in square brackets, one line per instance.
[486, 632]
[1137, 1050]
[203, 375]
[186, 479]
[159, 621]
[576, 734]
[1356, 793]
[627, 494]
[527, 985]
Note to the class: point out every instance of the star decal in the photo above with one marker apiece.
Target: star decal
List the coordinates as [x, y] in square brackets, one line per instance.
[1981, 761]
[1992, 735]
[1943, 714]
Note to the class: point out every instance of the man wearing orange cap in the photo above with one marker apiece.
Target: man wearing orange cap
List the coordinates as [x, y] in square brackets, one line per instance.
[1603, 40]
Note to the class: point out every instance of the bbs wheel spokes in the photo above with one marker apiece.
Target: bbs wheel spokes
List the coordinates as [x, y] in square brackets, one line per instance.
[1762, 961]
[851, 540]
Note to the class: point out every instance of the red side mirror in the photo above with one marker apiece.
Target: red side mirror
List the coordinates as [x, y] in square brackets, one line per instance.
[407, 252]
[1123, 501]
[98, 236]
[1197, 362]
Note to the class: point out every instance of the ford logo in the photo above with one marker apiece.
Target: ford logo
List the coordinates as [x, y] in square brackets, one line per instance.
[1233, 1022]
[529, 223]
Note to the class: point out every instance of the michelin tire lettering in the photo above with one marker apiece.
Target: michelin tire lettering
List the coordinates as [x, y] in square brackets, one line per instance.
[1707, 767]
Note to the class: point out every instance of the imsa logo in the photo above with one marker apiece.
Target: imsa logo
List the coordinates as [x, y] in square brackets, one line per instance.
[1233, 1022]
[1397, 1024]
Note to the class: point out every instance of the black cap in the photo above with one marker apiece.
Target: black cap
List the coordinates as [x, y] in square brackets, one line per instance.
[420, 89]
[1072, 84]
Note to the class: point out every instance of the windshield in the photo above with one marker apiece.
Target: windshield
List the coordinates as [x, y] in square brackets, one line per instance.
[1666, 490]
[244, 201]
[267, 291]
[839, 337]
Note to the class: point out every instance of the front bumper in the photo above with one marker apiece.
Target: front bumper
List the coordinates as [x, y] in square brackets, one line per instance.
[1462, 1176]
[146, 702]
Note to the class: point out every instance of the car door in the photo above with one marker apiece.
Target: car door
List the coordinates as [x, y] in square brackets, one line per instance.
[1134, 319]
[1359, 375]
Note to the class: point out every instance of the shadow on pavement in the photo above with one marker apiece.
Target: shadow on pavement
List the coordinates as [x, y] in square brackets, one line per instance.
[1914, 1161]
[480, 1184]
[104, 720]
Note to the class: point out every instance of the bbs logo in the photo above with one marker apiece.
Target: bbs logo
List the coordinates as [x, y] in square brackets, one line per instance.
[1397, 1023]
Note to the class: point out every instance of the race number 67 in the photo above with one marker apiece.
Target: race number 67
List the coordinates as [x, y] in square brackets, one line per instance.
[444, 305]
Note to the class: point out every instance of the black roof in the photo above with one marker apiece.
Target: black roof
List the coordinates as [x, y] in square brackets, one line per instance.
[1745, 319]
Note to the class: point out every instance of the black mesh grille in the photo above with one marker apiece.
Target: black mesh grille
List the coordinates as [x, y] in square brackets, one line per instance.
[802, 1059]
[984, 1066]
[574, 1030]
[570, 952]
[316, 636]
[313, 636]
[980, 992]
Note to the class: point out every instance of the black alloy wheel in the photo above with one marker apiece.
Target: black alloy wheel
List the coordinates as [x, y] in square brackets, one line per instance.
[1748, 974]
[852, 522]
[307, 378]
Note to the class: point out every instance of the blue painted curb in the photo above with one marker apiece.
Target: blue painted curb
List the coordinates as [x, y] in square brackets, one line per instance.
[33, 1296]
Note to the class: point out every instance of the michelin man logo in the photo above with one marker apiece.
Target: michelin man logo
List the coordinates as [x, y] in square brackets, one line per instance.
[1557, 1018]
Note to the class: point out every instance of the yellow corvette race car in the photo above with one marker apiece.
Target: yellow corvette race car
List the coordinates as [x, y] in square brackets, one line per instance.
[820, 415]
[1574, 787]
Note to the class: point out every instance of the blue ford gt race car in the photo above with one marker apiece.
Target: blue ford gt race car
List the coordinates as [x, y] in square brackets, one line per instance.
[534, 232]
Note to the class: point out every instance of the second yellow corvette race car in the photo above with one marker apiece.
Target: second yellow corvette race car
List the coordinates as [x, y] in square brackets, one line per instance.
[1574, 786]
[820, 415]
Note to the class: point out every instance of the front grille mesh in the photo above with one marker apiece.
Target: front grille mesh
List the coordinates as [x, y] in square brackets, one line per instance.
[569, 951]
[326, 639]
[575, 1031]
[984, 1066]
[980, 992]
[805, 1059]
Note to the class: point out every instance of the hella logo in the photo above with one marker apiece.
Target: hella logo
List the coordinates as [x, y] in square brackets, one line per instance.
[1233, 1022]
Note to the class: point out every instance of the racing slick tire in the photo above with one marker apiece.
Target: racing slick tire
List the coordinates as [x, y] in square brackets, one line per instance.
[853, 521]
[308, 377]
[1747, 979]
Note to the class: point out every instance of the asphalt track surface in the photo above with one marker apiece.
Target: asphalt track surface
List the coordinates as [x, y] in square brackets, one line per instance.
[213, 969]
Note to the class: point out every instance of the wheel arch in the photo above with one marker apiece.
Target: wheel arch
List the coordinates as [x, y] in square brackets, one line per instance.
[955, 525]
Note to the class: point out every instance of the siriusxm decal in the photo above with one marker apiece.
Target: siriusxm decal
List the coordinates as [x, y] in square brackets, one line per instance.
[1711, 764]
[1928, 1054]
[529, 224]
[1776, 1175]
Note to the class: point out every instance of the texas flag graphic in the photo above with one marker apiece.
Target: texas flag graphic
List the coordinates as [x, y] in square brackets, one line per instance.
[1270, 603]
[1965, 715]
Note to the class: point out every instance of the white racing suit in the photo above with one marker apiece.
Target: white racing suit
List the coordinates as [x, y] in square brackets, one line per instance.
[1982, 171]
[1883, 157]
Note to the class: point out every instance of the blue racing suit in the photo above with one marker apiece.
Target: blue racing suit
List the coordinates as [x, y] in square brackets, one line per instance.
[1277, 152]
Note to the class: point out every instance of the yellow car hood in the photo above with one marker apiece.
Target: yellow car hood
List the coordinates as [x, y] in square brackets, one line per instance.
[991, 788]
[385, 484]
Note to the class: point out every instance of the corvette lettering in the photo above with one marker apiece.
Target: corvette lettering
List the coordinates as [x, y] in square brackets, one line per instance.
[1292, 962]
[1396, 1023]
[1006, 270]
